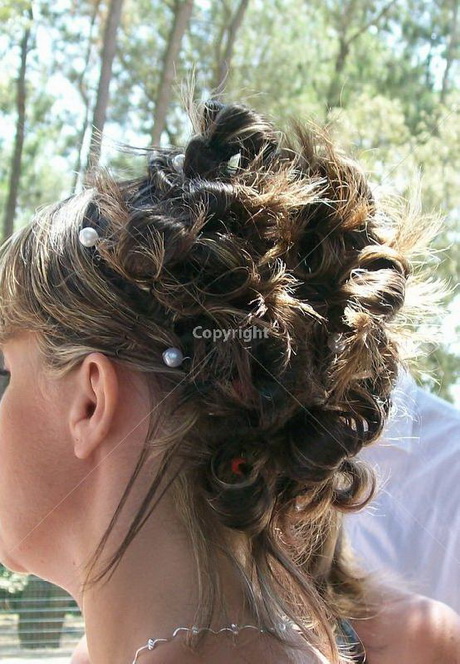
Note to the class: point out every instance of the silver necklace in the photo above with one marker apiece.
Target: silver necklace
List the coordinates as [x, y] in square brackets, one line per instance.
[234, 629]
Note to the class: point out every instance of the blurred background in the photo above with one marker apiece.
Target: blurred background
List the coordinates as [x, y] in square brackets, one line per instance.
[383, 75]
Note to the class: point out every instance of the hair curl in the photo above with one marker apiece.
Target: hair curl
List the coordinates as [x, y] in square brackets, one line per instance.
[254, 230]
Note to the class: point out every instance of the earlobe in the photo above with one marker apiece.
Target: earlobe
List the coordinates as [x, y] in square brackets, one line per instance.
[94, 403]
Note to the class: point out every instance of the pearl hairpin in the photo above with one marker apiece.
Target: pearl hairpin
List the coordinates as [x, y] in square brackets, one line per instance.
[88, 236]
[178, 162]
[173, 357]
[336, 342]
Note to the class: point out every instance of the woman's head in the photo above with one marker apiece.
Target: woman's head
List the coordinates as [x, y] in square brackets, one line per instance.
[246, 232]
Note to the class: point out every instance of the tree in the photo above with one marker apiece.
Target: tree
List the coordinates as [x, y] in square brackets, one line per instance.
[108, 53]
[182, 13]
[451, 49]
[351, 19]
[226, 46]
[84, 93]
[15, 171]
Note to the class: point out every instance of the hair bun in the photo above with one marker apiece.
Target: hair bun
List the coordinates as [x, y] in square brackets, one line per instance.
[203, 157]
[224, 131]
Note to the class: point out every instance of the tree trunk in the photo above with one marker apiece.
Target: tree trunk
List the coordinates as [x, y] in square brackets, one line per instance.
[333, 95]
[450, 54]
[223, 66]
[109, 48]
[15, 172]
[85, 97]
[182, 13]
[345, 20]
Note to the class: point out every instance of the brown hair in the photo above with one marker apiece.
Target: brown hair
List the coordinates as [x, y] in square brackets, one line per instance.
[290, 240]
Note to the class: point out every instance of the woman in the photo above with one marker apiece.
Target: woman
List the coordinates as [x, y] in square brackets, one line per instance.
[196, 357]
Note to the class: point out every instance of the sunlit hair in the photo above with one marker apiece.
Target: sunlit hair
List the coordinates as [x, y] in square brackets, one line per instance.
[287, 237]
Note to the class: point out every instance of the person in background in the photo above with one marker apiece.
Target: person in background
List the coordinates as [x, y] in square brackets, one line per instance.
[411, 530]
[196, 358]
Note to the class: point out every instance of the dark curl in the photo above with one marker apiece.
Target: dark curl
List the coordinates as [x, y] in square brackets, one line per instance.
[226, 131]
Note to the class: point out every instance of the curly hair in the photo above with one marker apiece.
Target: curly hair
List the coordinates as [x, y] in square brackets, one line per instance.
[245, 229]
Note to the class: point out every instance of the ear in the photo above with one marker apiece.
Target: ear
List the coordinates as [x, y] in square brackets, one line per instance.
[94, 403]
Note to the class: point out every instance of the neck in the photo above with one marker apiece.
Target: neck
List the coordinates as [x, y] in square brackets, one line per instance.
[153, 591]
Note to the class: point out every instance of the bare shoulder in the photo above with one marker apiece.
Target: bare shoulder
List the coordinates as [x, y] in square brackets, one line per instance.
[412, 628]
[436, 628]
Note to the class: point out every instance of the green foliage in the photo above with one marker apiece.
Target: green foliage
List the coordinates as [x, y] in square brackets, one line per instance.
[382, 62]
[14, 17]
[12, 582]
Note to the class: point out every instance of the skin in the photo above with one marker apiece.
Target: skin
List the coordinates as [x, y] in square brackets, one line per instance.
[409, 628]
[68, 447]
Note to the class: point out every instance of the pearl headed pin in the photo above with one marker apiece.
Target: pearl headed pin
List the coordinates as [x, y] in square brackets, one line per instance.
[88, 236]
[173, 357]
[178, 162]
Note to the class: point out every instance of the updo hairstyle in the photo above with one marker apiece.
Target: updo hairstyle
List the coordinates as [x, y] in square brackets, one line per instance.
[280, 244]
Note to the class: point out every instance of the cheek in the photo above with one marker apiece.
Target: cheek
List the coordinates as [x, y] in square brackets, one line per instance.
[22, 431]
[22, 463]
[34, 467]
[19, 477]
[37, 474]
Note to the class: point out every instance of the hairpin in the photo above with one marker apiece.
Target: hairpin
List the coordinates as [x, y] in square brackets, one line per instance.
[236, 464]
[178, 162]
[88, 236]
[173, 357]
[336, 342]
